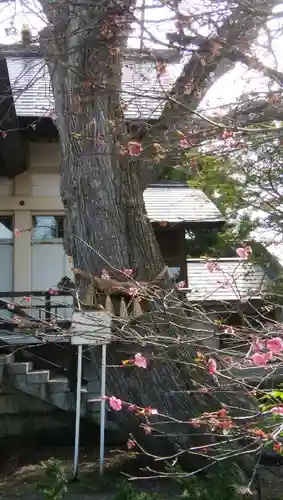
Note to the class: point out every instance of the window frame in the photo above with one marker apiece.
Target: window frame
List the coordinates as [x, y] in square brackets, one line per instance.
[12, 218]
[58, 217]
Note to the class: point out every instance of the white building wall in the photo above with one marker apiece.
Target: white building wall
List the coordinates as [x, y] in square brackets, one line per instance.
[35, 192]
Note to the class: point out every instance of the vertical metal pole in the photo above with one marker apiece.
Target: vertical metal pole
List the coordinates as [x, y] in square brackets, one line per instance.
[102, 408]
[78, 411]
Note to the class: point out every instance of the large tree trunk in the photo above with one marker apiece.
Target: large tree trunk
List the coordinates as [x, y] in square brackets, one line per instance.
[107, 227]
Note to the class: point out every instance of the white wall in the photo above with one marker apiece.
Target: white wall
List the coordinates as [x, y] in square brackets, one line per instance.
[35, 192]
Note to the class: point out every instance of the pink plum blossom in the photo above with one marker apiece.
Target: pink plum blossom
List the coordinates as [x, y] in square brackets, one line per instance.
[277, 410]
[181, 284]
[184, 143]
[244, 252]
[212, 366]
[128, 272]
[229, 330]
[130, 444]
[195, 422]
[115, 403]
[275, 344]
[140, 361]
[134, 148]
[211, 266]
[133, 292]
[260, 359]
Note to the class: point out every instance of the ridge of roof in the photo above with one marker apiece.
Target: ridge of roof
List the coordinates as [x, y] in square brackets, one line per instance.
[34, 50]
[178, 204]
[168, 183]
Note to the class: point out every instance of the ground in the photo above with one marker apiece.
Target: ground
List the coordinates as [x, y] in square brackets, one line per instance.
[20, 471]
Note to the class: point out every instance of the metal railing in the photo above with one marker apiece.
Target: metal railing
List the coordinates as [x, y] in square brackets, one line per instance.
[21, 304]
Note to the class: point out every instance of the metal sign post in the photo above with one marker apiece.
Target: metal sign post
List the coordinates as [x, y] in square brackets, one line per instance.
[102, 408]
[91, 329]
[78, 411]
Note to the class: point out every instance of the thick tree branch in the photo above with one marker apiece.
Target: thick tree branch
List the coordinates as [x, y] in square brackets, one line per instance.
[198, 74]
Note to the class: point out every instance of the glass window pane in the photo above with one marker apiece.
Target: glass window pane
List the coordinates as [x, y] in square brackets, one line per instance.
[47, 227]
[6, 229]
[174, 272]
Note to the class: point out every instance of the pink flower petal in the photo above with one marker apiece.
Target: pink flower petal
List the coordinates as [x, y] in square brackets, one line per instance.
[115, 403]
[128, 272]
[277, 410]
[244, 252]
[229, 330]
[195, 422]
[259, 359]
[134, 148]
[241, 252]
[140, 361]
[212, 366]
[210, 267]
[181, 284]
[184, 143]
[17, 233]
[275, 344]
[130, 444]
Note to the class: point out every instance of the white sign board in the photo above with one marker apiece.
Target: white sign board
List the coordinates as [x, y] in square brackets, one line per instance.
[91, 328]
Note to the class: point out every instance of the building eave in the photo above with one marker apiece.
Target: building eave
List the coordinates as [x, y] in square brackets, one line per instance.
[11, 145]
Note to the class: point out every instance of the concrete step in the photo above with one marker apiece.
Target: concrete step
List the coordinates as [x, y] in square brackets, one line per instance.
[58, 384]
[19, 368]
[38, 377]
[93, 404]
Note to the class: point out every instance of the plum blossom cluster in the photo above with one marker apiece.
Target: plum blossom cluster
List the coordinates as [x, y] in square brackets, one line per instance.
[266, 350]
[133, 148]
[212, 266]
[216, 421]
[117, 404]
[244, 252]
[138, 360]
[209, 362]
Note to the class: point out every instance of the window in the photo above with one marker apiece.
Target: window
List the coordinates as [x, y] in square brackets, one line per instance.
[6, 229]
[174, 272]
[47, 228]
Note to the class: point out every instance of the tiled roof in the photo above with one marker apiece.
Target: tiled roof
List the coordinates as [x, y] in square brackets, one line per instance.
[234, 279]
[142, 92]
[179, 204]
